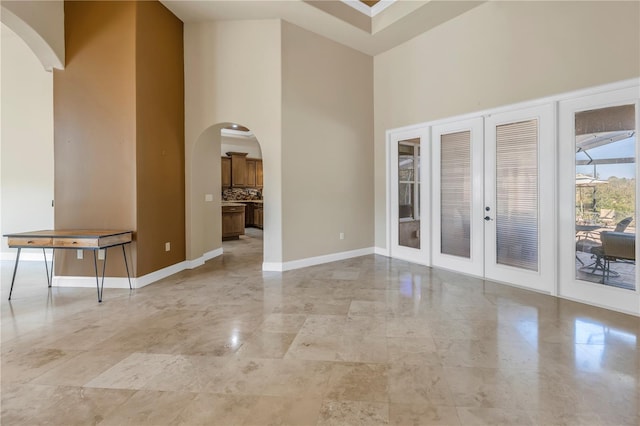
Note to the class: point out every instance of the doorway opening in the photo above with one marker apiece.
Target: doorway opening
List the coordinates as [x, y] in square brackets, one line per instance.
[241, 187]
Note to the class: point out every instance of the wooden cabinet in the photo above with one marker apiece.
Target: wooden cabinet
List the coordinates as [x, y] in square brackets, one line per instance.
[248, 215]
[226, 172]
[251, 172]
[232, 221]
[238, 169]
[258, 173]
[258, 217]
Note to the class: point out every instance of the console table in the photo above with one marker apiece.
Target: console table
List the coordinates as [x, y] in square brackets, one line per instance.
[71, 239]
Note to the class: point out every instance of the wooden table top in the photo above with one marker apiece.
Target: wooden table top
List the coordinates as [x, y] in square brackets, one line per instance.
[68, 233]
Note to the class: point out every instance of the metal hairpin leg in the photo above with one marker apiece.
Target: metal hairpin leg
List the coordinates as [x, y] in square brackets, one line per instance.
[46, 266]
[15, 268]
[99, 286]
[124, 253]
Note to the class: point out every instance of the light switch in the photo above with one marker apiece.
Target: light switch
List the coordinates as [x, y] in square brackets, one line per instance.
[208, 197]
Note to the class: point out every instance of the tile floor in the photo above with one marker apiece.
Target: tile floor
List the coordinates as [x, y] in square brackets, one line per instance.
[365, 341]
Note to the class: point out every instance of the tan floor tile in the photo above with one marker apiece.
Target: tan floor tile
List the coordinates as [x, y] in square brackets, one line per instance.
[266, 345]
[339, 413]
[359, 382]
[349, 348]
[367, 308]
[282, 323]
[493, 416]
[133, 372]
[415, 384]
[150, 408]
[422, 414]
[270, 410]
[80, 369]
[25, 366]
[274, 377]
[208, 409]
[421, 351]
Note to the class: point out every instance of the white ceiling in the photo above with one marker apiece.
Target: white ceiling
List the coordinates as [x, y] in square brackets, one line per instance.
[399, 22]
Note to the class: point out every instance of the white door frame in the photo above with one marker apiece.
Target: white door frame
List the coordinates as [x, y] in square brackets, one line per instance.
[474, 265]
[571, 288]
[421, 255]
[544, 278]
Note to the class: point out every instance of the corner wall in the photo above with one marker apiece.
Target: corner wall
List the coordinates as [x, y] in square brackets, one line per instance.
[497, 54]
[232, 75]
[26, 137]
[327, 146]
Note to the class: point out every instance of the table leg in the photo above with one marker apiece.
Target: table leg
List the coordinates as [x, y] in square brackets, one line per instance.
[46, 266]
[124, 253]
[15, 268]
[95, 267]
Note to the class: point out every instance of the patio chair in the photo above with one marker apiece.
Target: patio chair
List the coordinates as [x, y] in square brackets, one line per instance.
[589, 243]
[615, 246]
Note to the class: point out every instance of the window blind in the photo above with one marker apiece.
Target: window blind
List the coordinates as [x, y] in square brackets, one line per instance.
[517, 194]
[455, 194]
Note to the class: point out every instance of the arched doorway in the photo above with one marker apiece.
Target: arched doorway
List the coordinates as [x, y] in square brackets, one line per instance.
[27, 135]
[204, 195]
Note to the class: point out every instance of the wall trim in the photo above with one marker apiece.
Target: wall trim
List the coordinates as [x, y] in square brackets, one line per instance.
[382, 251]
[316, 260]
[119, 282]
[191, 264]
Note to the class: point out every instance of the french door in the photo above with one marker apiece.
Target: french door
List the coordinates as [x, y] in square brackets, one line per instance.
[599, 199]
[493, 209]
[409, 207]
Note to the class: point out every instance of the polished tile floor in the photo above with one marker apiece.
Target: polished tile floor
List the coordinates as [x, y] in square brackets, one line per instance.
[365, 341]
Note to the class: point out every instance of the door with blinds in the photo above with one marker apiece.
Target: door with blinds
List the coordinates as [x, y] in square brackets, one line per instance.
[519, 192]
[458, 228]
[493, 192]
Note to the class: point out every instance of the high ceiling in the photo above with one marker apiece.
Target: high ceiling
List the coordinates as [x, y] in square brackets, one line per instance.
[400, 21]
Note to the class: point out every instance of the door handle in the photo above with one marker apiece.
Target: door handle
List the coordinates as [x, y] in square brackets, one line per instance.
[487, 218]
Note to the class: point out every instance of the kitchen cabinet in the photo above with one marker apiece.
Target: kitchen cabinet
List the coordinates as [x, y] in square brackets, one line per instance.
[232, 221]
[251, 172]
[258, 173]
[226, 172]
[238, 169]
[258, 217]
[248, 214]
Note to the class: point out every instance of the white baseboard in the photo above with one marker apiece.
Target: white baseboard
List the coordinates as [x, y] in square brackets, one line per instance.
[381, 251]
[191, 264]
[317, 260]
[119, 282]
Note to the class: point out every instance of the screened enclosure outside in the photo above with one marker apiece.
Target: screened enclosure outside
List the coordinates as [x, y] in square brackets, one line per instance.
[409, 193]
[605, 191]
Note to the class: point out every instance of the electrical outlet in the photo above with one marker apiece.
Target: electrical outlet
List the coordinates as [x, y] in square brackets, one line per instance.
[79, 254]
[101, 254]
[342, 235]
[167, 246]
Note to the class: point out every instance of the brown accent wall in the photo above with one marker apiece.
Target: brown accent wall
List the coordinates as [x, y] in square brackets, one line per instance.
[119, 132]
[160, 137]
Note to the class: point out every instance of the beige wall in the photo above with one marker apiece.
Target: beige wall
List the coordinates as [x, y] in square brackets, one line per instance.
[248, 145]
[118, 114]
[159, 137]
[26, 140]
[41, 25]
[232, 75]
[497, 54]
[327, 151]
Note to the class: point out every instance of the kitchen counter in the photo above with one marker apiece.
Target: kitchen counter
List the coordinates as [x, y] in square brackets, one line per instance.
[244, 201]
[232, 204]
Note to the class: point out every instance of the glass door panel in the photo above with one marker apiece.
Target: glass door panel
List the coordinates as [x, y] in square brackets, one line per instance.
[409, 193]
[519, 211]
[517, 194]
[409, 197]
[455, 194]
[605, 196]
[458, 228]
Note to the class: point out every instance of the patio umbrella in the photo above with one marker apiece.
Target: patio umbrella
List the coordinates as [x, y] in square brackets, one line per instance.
[586, 181]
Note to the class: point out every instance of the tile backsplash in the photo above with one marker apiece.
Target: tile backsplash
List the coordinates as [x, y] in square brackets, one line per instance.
[231, 194]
